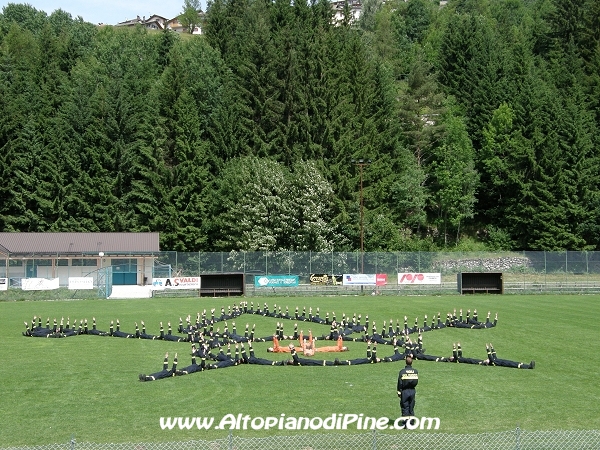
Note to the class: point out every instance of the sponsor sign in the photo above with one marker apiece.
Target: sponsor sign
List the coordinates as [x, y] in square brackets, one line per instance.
[81, 283]
[159, 284]
[419, 278]
[319, 278]
[337, 279]
[3, 284]
[365, 279]
[324, 278]
[276, 280]
[360, 279]
[39, 284]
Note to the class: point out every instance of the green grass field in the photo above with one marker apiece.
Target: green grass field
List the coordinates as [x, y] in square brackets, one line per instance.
[87, 386]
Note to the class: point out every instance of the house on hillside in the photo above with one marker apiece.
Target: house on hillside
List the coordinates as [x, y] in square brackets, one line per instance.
[154, 22]
[355, 7]
[175, 25]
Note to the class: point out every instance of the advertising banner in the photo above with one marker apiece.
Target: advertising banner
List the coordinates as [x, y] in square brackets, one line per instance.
[419, 278]
[159, 284]
[365, 279]
[39, 284]
[360, 279]
[276, 280]
[79, 283]
[325, 278]
[3, 284]
[381, 279]
[337, 279]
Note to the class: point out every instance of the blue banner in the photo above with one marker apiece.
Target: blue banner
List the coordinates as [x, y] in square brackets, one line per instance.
[276, 280]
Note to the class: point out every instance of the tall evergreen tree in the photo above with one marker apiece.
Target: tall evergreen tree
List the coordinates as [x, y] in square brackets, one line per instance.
[189, 180]
[470, 68]
[454, 181]
[421, 109]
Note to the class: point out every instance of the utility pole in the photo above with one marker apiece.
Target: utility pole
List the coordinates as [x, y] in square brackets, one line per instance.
[361, 163]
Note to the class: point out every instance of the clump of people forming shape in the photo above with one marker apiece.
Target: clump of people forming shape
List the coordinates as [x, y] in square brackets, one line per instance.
[212, 347]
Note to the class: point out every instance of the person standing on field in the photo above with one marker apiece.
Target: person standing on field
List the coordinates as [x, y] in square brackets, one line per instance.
[408, 378]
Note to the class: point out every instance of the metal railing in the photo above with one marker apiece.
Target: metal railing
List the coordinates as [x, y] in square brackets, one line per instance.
[516, 439]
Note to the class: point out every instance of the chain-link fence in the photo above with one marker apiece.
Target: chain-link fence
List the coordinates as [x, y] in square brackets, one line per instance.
[447, 263]
[516, 439]
[523, 272]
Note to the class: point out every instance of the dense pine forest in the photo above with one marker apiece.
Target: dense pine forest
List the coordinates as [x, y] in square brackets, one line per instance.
[477, 124]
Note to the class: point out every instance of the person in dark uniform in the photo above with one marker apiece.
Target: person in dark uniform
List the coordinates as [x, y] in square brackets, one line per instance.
[297, 361]
[143, 334]
[457, 357]
[95, 331]
[397, 356]
[370, 359]
[315, 318]
[286, 314]
[194, 367]
[165, 373]
[168, 336]
[439, 324]
[118, 332]
[254, 360]
[68, 331]
[495, 361]
[425, 326]
[408, 378]
[228, 361]
[378, 338]
[236, 338]
[36, 331]
[489, 324]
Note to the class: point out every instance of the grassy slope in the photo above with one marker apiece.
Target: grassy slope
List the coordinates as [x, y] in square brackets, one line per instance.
[87, 387]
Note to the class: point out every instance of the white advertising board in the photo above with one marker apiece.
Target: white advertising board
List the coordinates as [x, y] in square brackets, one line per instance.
[419, 278]
[362, 279]
[81, 283]
[39, 284]
[159, 284]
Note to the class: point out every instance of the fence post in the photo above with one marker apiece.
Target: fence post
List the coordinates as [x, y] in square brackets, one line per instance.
[230, 440]
[587, 263]
[545, 270]
[374, 440]
[72, 442]
[517, 438]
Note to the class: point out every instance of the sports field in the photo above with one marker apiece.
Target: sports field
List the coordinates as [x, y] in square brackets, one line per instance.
[87, 387]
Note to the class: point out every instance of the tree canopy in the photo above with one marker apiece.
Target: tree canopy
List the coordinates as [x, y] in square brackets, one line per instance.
[480, 119]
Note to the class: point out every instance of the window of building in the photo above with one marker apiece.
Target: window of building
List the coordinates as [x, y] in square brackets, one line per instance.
[88, 262]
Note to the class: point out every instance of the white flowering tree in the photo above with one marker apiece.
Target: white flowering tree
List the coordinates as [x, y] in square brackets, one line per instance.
[264, 206]
[311, 197]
